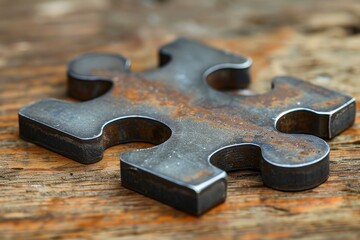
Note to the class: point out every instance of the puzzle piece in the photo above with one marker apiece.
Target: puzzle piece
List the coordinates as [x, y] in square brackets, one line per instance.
[200, 132]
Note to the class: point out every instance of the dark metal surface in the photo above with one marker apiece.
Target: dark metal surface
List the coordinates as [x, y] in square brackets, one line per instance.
[200, 132]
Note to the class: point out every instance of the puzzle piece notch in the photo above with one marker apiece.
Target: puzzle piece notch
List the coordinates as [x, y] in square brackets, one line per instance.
[162, 107]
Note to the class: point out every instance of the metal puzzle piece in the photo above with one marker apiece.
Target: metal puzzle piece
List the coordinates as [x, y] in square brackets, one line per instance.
[200, 132]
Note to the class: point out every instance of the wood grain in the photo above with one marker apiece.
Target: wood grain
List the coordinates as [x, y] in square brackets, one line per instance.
[44, 195]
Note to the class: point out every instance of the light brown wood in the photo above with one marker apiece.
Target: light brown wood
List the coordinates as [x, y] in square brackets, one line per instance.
[45, 195]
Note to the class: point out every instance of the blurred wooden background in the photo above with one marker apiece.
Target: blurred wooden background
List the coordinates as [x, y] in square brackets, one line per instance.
[45, 195]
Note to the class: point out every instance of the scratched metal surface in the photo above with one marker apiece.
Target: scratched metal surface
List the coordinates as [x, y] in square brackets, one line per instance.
[199, 131]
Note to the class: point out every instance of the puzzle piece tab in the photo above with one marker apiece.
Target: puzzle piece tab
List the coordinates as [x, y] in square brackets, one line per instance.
[199, 131]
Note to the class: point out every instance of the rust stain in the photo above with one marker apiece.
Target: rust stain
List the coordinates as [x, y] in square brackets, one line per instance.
[158, 94]
[316, 89]
[198, 176]
[282, 95]
[329, 103]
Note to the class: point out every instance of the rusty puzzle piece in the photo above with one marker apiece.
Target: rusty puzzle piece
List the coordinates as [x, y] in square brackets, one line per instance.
[199, 131]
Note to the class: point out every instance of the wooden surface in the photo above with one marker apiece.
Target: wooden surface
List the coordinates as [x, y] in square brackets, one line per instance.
[45, 195]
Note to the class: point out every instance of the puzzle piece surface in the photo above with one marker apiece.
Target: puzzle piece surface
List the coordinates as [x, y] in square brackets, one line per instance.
[199, 132]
